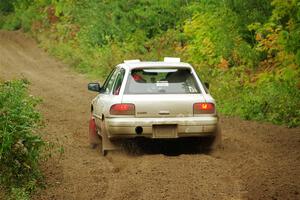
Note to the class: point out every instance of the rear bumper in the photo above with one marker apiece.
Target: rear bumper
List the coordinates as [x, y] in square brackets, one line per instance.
[184, 126]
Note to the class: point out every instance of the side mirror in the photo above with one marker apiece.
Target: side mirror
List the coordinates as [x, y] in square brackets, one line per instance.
[94, 87]
[206, 85]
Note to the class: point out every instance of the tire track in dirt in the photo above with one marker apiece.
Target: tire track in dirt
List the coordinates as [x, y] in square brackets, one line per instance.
[259, 161]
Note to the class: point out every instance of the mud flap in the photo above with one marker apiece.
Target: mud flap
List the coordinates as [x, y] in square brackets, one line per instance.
[93, 136]
[217, 140]
[107, 144]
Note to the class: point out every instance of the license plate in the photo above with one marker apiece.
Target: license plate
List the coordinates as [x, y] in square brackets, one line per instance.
[164, 131]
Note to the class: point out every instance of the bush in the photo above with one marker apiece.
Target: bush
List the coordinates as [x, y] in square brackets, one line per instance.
[214, 37]
[20, 145]
[273, 97]
[6, 6]
[19, 194]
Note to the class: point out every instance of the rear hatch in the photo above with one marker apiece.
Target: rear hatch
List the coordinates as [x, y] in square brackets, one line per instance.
[165, 105]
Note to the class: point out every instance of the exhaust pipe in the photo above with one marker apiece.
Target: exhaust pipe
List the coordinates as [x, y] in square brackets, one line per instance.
[139, 130]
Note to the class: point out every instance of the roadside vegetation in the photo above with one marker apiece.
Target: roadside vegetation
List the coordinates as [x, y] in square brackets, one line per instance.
[20, 144]
[249, 51]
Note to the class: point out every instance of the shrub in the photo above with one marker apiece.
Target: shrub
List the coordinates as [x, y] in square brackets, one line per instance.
[214, 37]
[20, 145]
[272, 97]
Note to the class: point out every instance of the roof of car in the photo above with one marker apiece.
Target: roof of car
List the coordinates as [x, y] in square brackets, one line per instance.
[138, 64]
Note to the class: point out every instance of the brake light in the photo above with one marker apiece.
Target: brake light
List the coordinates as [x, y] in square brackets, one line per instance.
[122, 109]
[204, 108]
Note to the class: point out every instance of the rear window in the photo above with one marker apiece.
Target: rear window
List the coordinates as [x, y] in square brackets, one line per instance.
[161, 81]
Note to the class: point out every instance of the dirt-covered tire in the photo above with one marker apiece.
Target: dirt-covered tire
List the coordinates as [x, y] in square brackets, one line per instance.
[94, 138]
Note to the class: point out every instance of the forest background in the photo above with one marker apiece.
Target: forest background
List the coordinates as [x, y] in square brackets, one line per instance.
[249, 51]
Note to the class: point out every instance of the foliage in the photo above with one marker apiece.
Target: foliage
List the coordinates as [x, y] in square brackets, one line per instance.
[6, 6]
[18, 194]
[20, 146]
[248, 12]
[25, 14]
[272, 98]
[214, 38]
[254, 78]
[102, 22]
[248, 50]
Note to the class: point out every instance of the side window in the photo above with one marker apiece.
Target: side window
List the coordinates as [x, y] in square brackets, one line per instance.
[119, 81]
[204, 86]
[103, 88]
[108, 85]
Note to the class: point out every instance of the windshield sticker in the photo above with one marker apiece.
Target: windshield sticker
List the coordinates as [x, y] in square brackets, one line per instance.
[192, 89]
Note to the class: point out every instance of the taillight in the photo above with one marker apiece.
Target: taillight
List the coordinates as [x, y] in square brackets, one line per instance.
[204, 108]
[122, 109]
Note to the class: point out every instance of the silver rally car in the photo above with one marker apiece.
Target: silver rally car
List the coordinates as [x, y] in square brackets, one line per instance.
[159, 100]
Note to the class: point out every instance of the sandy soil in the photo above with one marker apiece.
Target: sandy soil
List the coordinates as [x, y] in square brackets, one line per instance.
[258, 160]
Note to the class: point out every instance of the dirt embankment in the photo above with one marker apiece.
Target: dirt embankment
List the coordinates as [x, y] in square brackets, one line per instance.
[258, 161]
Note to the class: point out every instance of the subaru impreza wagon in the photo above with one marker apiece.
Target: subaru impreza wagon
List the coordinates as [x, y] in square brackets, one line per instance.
[158, 100]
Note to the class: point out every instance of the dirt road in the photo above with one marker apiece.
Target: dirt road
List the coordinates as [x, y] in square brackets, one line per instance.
[258, 161]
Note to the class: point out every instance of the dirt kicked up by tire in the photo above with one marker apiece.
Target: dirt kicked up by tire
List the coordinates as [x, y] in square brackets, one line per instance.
[257, 161]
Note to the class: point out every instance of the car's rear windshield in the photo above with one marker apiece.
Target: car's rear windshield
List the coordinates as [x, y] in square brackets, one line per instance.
[161, 81]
